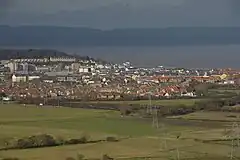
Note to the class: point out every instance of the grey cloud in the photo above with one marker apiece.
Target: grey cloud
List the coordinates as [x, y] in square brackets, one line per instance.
[5, 5]
[70, 5]
[235, 6]
[126, 13]
[46, 6]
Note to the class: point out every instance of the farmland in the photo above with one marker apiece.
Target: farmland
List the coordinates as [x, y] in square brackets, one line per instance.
[138, 138]
[170, 102]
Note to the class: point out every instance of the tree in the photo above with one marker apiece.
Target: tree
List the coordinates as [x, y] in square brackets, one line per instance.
[190, 88]
[2, 94]
[32, 142]
[201, 89]
[125, 111]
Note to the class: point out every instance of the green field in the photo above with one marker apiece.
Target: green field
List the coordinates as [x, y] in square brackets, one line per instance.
[170, 102]
[211, 116]
[141, 139]
[225, 90]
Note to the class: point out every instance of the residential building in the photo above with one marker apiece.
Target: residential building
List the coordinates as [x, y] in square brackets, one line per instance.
[84, 69]
[62, 59]
[75, 67]
[13, 66]
[16, 78]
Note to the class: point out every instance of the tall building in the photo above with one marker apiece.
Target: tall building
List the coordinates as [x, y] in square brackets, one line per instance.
[25, 67]
[13, 66]
[75, 67]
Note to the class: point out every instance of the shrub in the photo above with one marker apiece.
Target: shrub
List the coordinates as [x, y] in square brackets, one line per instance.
[9, 159]
[111, 139]
[11, 143]
[42, 140]
[60, 141]
[125, 111]
[32, 142]
[106, 157]
[70, 158]
[24, 143]
[80, 157]
[231, 116]
[73, 141]
[82, 140]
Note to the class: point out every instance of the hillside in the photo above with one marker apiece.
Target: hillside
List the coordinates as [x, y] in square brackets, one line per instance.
[67, 36]
[6, 54]
[21, 53]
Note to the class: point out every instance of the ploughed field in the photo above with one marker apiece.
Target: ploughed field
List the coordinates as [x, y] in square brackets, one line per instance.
[201, 135]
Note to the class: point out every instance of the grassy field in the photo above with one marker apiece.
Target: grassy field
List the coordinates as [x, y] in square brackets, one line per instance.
[143, 140]
[226, 90]
[211, 116]
[170, 102]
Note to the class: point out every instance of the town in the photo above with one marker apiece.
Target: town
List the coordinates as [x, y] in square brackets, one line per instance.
[119, 80]
[49, 98]
[91, 80]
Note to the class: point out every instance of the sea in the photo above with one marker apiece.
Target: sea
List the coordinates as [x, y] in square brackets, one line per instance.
[225, 56]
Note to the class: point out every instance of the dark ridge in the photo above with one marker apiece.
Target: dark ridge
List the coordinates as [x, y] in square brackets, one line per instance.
[30, 53]
[70, 36]
[7, 54]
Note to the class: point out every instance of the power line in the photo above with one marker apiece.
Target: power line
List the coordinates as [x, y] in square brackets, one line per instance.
[153, 110]
[235, 137]
[163, 135]
[155, 120]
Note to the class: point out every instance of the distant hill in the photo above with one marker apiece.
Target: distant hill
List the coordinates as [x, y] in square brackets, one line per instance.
[68, 36]
[30, 53]
[6, 54]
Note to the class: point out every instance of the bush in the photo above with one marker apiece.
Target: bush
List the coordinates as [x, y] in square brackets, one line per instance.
[43, 140]
[125, 111]
[9, 159]
[111, 139]
[24, 143]
[32, 142]
[70, 158]
[60, 141]
[80, 157]
[82, 140]
[106, 157]
[231, 116]
[74, 141]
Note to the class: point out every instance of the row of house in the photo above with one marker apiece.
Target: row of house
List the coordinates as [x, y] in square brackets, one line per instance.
[44, 60]
[17, 78]
[179, 79]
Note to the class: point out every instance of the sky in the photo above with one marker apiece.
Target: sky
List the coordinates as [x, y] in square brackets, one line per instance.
[121, 13]
[59, 5]
[110, 14]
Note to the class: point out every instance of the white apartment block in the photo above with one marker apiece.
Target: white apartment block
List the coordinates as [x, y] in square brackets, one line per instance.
[62, 59]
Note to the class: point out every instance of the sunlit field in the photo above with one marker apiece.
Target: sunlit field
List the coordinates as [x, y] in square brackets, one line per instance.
[138, 139]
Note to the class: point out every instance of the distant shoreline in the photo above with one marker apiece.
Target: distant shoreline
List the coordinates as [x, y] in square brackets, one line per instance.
[225, 56]
[89, 37]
